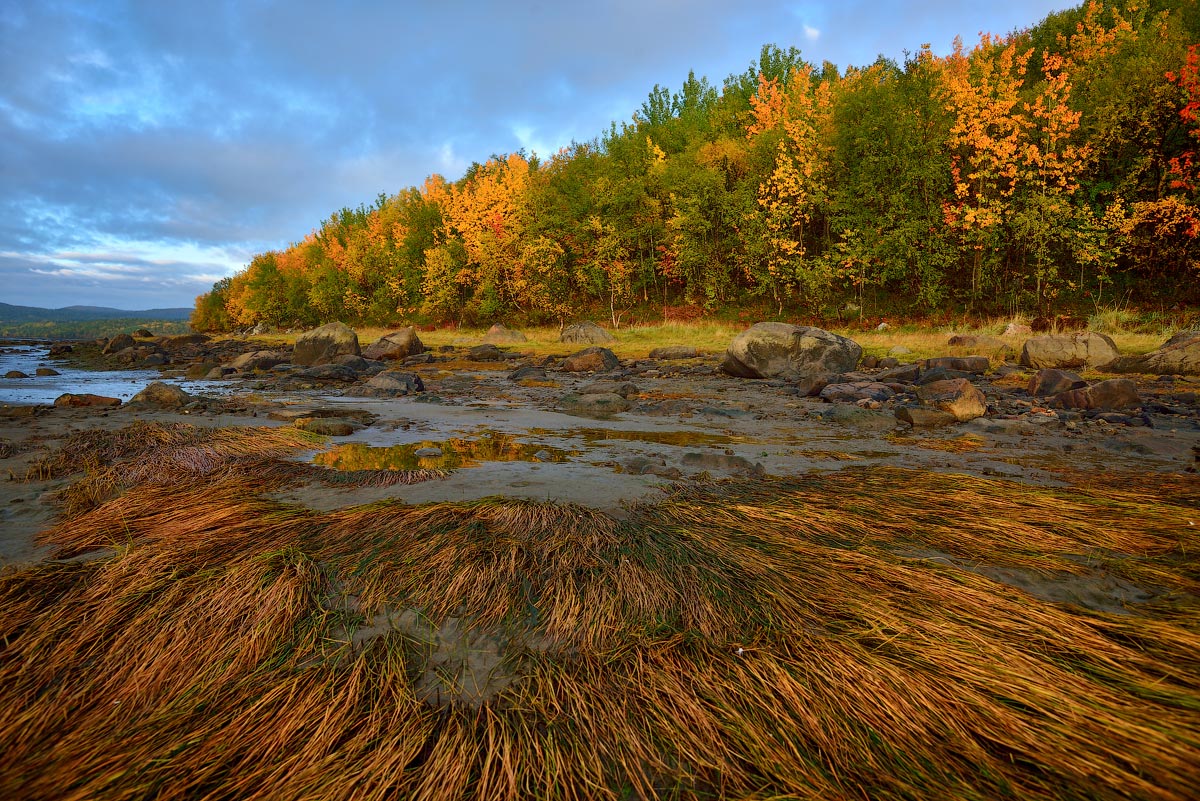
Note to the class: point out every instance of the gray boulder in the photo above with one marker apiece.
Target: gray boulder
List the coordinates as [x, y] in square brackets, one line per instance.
[595, 360]
[586, 333]
[393, 382]
[674, 352]
[396, 345]
[598, 404]
[485, 353]
[499, 335]
[1082, 349]
[258, 360]
[1117, 393]
[167, 396]
[1179, 355]
[955, 396]
[118, 343]
[322, 345]
[1051, 382]
[780, 350]
[856, 391]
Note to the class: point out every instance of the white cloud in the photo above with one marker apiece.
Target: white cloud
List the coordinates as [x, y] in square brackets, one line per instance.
[811, 33]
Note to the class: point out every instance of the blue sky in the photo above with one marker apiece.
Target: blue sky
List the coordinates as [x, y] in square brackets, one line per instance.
[149, 148]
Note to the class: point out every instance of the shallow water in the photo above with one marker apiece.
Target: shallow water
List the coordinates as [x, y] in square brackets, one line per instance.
[123, 384]
[455, 454]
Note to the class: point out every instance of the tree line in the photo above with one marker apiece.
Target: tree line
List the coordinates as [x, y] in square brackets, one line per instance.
[1051, 167]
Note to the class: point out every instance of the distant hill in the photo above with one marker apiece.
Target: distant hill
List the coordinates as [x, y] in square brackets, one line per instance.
[74, 314]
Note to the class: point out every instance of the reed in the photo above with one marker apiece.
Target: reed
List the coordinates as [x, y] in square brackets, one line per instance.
[742, 639]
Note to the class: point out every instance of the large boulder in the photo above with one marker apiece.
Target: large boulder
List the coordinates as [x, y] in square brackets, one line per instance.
[1116, 393]
[955, 396]
[167, 396]
[780, 350]
[587, 333]
[391, 383]
[1083, 349]
[118, 343]
[1052, 382]
[396, 345]
[1179, 355]
[84, 400]
[258, 360]
[593, 360]
[499, 335]
[321, 345]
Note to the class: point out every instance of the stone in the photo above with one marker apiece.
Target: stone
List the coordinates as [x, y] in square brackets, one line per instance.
[956, 396]
[143, 333]
[259, 360]
[328, 372]
[17, 411]
[975, 365]
[61, 349]
[596, 360]
[882, 327]
[394, 382]
[856, 391]
[651, 466]
[856, 417]
[899, 350]
[499, 335]
[394, 346]
[161, 394]
[941, 374]
[780, 350]
[980, 343]
[528, 372]
[1116, 393]
[1082, 349]
[900, 374]
[924, 417]
[727, 462]
[485, 353]
[810, 386]
[16, 374]
[46, 371]
[1017, 330]
[327, 426]
[622, 388]
[321, 345]
[585, 333]
[1051, 382]
[428, 453]
[1179, 355]
[85, 400]
[118, 343]
[356, 363]
[602, 403]
[674, 352]
[155, 360]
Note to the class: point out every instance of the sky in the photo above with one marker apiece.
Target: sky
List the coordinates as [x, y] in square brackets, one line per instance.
[148, 149]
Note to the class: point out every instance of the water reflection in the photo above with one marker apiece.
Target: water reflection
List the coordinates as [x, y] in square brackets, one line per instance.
[455, 454]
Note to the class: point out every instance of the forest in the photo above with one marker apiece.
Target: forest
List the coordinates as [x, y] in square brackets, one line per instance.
[1048, 169]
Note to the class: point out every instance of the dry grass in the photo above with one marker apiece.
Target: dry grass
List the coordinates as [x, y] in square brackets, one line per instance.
[756, 639]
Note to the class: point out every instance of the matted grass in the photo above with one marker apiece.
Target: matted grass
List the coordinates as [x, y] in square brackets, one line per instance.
[748, 639]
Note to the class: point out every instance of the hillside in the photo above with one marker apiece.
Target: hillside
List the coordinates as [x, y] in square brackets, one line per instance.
[73, 314]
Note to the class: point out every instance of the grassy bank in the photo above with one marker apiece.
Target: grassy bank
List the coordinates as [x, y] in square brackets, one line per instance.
[814, 637]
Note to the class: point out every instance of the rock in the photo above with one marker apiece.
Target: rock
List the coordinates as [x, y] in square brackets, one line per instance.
[1179, 355]
[258, 360]
[856, 417]
[118, 343]
[428, 453]
[957, 396]
[599, 404]
[143, 333]
[780, 350]
[61, 349]
[674, 352]
[158, 393]
[327, 426]
[322, 345]
[899, 350]
[499, 335]
[980, 342]
[394, 382]
[328, 372]
[155, 360]
[356, 363]
[528, 373]
[184, 340]
[17, 411]
[721, 461]
[199, 370]
[596, 360]
[1084, 349]
[1017, 330]
[924, 417]
[585, 333]
[654, 466]
[419, 358]
[16, 374]
[941, 374]
[900, 374]
[856, 391]
[76, 401]
[1116, 393]
[46, 371]
[976, 365]
[622, 388]
[396, 345]
[485, 353]
[810, 386]
[1052, 382]
[882, 327]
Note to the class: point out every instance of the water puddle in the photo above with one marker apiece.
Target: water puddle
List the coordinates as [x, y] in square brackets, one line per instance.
[450, 454]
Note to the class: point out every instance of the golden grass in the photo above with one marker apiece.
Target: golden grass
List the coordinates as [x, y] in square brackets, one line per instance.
[750, 639]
